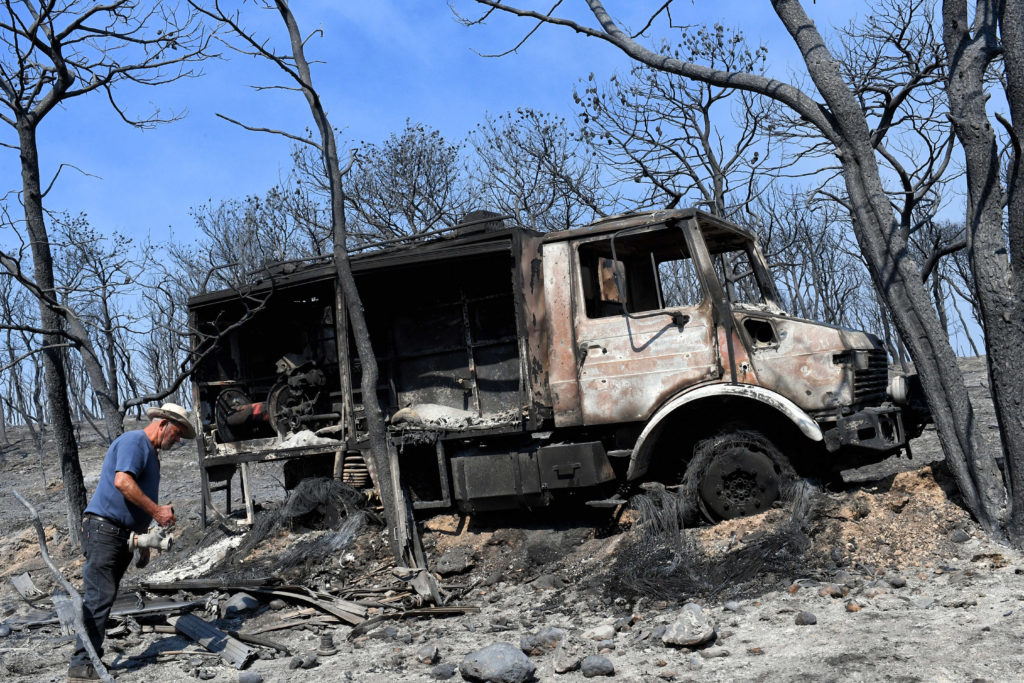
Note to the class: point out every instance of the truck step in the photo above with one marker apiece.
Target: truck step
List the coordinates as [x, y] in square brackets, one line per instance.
[612, 502]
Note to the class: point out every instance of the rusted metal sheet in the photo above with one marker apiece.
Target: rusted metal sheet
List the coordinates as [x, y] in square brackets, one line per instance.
[535, 321]
[558, 289]
[801, 363]
[632, 366]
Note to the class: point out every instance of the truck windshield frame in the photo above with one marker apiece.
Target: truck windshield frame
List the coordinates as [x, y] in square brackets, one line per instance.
[653, 274]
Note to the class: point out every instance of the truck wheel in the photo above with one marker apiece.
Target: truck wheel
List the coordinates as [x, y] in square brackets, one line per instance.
[735, 474]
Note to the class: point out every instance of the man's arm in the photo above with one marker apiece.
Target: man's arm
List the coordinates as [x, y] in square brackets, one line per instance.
[129, 488]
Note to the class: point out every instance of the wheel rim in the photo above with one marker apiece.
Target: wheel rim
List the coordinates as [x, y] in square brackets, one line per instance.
[738, 482]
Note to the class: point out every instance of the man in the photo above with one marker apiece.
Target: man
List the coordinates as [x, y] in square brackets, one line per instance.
[124, 501]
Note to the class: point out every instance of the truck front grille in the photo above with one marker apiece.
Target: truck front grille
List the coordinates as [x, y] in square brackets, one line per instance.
[869, 384]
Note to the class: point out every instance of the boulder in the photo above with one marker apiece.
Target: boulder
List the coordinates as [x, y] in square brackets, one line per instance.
[692, 627]
[596, 665]
[500, 663]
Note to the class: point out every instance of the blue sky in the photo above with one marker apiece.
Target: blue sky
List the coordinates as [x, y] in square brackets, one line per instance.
[381, 63]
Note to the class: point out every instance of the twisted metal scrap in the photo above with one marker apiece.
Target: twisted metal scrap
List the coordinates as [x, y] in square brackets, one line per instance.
[73, 596]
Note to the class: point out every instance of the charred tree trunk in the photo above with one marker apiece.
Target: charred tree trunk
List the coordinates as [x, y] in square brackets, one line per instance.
[1000, 289]
[54, 376]
[395, 509]
[897, 279]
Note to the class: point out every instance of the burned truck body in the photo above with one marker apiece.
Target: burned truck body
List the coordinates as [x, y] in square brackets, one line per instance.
[517, 366]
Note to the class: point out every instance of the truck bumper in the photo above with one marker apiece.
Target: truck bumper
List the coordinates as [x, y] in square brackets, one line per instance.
[876, 429]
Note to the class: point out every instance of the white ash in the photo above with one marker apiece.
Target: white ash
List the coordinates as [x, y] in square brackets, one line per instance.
[434, 416]
[199, 563]
[305, 438]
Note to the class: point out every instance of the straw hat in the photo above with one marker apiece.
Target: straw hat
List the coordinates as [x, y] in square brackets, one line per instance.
[177, 415]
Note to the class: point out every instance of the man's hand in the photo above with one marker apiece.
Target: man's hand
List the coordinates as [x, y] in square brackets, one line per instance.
[164, 515]
[143, 558]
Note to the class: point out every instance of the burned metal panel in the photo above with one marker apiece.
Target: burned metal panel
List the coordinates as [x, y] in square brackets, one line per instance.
[533, 319]
[633, 366]
[558, 299]
[630, 364]
[803, 365]
[445, 330]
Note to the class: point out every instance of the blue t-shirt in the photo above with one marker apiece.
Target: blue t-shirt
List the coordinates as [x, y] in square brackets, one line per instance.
[132, 453]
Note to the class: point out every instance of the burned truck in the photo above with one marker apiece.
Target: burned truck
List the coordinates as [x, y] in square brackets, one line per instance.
[517, 367]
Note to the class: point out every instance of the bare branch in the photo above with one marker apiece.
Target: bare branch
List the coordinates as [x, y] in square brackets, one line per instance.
[258, 129]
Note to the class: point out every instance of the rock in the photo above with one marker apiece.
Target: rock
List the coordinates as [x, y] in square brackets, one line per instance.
[442, 672]
[5, 630]
[541, 643]
[805, 619]
[602, 632]
[389, 632]
[793, 588]
[427, 654]
[249, 677]
[567, 656]
[596, 665]
[455, 561]
[605, 645]
[501, 662]
[295, 663]
[714, 653]
[853, 606]
[550, 637]
[897, 581]
[733, 606]
[959, 536]
[206, 674]
[691, 627]
[547, 582]
[238, 604]
[830, 590]
[889, 603]
[277, 604]
[923, 602]
[623, 624]
[310, 661]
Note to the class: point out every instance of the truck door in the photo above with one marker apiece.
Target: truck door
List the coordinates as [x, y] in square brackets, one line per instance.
[628, 365]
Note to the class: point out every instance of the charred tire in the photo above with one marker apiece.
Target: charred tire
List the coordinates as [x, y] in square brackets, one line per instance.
[735, 474]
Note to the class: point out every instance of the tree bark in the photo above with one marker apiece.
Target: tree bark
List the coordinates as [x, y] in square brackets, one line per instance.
[897, 279]
[395, 508]
[54, 373]
[1000, 290]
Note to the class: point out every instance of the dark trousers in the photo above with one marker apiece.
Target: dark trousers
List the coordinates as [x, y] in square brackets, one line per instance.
[106, 559]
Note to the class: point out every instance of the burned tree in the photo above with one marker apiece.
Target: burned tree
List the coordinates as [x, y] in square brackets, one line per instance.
[55, 52]
[533, 166]
[666, 133]
[296, 68]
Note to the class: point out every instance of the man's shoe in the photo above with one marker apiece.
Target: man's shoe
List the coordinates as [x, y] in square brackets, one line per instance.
[82, 673]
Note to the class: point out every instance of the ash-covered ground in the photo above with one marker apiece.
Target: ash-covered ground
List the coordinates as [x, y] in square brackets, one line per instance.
[887, 579]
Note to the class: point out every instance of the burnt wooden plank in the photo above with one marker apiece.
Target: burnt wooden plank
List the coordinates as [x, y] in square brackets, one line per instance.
[349, 612]
[231, 650]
